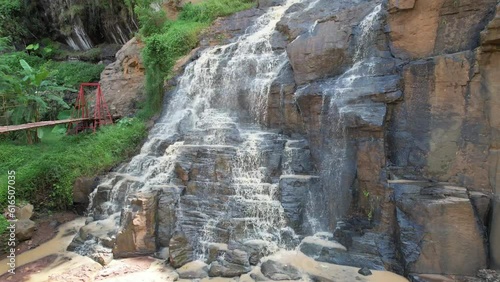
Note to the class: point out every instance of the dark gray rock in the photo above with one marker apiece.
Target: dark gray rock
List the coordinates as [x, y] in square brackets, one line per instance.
[223, 268]
[365, 271]
[364, 117]
[482, 205]
[495, 234]
[333, 252]
[237, 257]
[262, 4]
[181, 251]
[82, 188]
[294, 190]
[167, 205]
[276, 270]
[216, 250]
[315, 247]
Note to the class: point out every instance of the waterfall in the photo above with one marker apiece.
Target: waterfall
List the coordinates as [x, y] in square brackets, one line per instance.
[210, 128]
[332, 199]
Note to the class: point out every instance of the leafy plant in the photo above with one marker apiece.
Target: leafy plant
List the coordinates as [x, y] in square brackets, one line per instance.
[29, 97]
[33, 47]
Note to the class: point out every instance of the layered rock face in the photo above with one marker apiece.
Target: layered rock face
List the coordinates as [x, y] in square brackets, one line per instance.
[123, 80]
[83, 24]
[365, 129]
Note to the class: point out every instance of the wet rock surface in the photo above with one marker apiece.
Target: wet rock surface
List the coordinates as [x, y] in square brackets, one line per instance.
[398, 92]
[277, 271]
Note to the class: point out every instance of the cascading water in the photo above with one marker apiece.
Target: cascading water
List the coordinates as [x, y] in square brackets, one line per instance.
[336, 166]
[207, 144]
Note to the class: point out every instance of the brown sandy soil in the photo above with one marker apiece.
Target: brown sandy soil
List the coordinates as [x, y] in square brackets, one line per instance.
[46, 229]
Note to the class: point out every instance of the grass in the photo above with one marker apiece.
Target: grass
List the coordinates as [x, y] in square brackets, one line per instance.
[167, 41]
[45, 172]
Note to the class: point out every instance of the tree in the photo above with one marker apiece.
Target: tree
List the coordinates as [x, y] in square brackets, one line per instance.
[28, 96]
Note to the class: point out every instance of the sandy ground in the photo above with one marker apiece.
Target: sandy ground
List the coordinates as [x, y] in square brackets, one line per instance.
[52, 263]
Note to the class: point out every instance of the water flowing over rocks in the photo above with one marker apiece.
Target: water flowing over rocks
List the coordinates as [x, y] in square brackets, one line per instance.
[359, 133]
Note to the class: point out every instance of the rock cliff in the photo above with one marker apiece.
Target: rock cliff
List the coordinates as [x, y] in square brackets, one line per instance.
[377, 146]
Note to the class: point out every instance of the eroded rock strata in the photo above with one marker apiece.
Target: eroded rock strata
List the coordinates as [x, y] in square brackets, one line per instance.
[363, 133]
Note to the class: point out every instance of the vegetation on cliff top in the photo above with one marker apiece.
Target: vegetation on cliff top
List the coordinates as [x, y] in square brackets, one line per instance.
[167, 41]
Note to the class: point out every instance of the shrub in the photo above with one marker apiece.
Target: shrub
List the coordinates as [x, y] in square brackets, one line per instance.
[211, 9]
[175, 39]
[71, 74]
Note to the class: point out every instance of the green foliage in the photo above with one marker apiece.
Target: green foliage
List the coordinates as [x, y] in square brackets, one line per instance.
[167, 41]
[162, 50]
[45, 172]
[211, 9]
[11, 61]
[10, 19]
[33, 47]
[6, 45]
[151, 21]
[3, 229]
[29, 96]
[71, 74]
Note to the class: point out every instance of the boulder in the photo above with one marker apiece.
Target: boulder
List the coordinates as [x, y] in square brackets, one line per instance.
[315, 246]
[330, 251]
[277, 271]
[365, 271]
[103, 258]
[82, 188]
[193, 270]
[223, 268]
[181, 251]
[137, 235]
[256, 250]
[237, 257]
[438, 230]
[215, 251]
[25, 229]
[24, 212]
